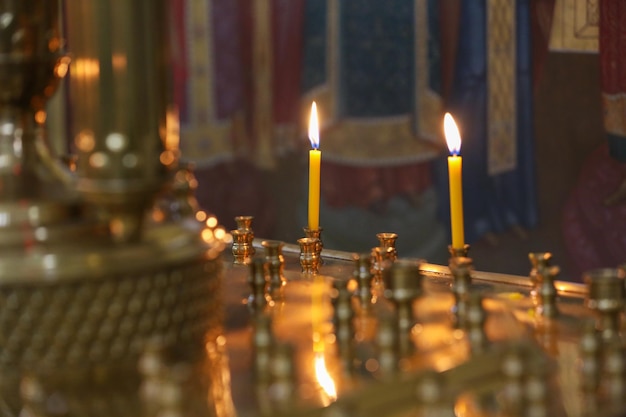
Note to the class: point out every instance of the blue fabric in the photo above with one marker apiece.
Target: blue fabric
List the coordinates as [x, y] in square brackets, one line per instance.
[314, 44]
[376, 49]
[491, 203]
[434, 46]
[376, 55]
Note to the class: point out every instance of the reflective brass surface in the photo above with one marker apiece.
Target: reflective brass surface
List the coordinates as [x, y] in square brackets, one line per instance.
[98, 264]
[243, 236]
[309, 254]
[275, 266]
[606, 298]
[119, 103]
[242, 247]
[459, 252]
[116, 301]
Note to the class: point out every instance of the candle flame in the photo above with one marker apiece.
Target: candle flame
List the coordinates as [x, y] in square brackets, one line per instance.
[453, 137]
[314, 132]
[323, 377]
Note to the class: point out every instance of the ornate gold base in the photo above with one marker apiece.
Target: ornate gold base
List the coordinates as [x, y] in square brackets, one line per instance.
[84, 306]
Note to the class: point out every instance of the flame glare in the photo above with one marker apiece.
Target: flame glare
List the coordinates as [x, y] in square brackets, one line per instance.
[453, 137]
[324, 379]
[314, 132]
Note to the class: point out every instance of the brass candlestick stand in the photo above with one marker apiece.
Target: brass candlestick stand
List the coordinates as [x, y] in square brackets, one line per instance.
[243, 237]
[96, 277]
[309, 257]
[540, 262]
[275, 266]
[459, 252]
[606, 298]
[385, 253]
[316, 234]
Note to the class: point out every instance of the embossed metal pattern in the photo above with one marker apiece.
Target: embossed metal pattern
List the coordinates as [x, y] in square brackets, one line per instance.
[107, 321]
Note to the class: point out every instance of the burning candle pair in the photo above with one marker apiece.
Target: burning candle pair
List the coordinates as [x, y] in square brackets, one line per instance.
[455, 166]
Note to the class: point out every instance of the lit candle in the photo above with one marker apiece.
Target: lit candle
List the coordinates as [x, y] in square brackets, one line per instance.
[315, 157]
[455, 165]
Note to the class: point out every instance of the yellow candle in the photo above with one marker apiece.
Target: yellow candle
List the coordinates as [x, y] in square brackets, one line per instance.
[455, 165]
[315, 158]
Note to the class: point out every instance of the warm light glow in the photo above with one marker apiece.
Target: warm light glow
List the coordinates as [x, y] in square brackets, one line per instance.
[158, 216]
[61, 67]
[372, 365]
[40, 116]
[119, 61]
[314, 131]
[207, 235]
[220, 233]
[54, 44]
[85, 141]
[211, 222]
[453, 137]
[167, 158]
[86, 68]
[323, 378]
[201, 215]
[172, 129]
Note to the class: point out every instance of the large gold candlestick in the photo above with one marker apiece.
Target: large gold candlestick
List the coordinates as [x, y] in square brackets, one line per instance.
[92, 303]
[119, 106]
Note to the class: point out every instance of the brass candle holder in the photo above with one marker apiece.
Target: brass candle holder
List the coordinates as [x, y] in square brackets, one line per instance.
[244, 223]
[459, 252]
[363, 275]
[384, 254]
[316, 234]
[343, 315]
[590, 349]
[539, 261]
[461, 269]
[403, 285]
[262, 342]
[387, 241]
[613, 383]
[476, 318]
[547, 293]
[275, 266]
[606, 297]
[243, 236]
[309, 255]
[242, 247]
[387, 344]
[257, 279]
[381, 258]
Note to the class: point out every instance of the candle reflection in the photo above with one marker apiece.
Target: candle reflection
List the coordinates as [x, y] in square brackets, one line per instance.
[323, 377]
